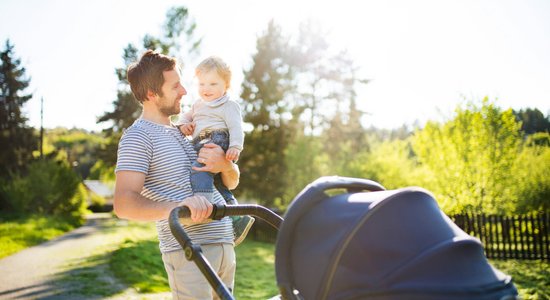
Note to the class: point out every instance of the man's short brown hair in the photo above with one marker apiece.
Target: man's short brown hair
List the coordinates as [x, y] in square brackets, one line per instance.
[147, 74]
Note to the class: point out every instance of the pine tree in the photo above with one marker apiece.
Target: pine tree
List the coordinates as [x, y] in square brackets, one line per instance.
[266, 88]
[16, 138]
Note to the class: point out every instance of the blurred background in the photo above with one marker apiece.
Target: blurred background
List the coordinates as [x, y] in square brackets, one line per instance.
[449, 95]
[452, 96]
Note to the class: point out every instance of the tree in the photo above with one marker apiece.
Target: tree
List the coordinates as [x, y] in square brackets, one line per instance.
[345, 136]
[16, 138]
[470, 159]
[266, 88]
[532, 173]
[286, 94]
[532, 121]
[179, 26]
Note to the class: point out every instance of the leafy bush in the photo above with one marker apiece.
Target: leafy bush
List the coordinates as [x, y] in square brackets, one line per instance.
[532, 174]
[49, 187]
[471, 159]
[101, 171]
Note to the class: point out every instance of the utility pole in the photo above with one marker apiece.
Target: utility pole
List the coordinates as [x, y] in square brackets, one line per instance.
[41, 127]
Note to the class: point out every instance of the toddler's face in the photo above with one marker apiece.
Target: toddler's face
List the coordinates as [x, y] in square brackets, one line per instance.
[211, 85]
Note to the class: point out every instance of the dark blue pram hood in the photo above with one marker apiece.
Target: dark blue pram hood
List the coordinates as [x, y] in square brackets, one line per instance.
[379, 245]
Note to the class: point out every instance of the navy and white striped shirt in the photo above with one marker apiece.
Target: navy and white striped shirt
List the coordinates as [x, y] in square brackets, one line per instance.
[165, 156]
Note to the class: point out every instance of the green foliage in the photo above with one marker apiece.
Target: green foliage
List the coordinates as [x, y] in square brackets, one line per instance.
[532, 174]
[531, 277]
[78, 147]
[16, 138]
[102, 171]
[390, 163]
[285, 95]
[532, 121]
[470, 159]
[20, 231]
[343, 140]
[306, 162]
[49, 188]
[265, 88]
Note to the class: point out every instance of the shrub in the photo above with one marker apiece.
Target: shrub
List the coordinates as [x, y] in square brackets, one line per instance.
[49, 187]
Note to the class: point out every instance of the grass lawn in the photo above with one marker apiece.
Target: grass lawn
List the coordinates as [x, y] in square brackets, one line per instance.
[138, 263]
[18, 232]
[531, 277]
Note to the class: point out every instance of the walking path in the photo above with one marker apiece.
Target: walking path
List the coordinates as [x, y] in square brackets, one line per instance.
[44, 271]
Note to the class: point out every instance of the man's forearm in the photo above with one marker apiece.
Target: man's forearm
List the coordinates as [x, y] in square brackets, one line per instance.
[230, 176]
[133, 206]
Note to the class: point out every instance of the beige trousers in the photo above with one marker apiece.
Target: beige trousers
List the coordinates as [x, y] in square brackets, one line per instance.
[186, 280]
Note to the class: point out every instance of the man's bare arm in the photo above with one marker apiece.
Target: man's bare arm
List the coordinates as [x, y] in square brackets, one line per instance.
[130, 204]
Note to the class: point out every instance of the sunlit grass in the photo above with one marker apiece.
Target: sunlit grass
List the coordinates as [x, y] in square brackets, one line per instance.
[23, 231]
[531, 277]
[138, 264]
[255, 276]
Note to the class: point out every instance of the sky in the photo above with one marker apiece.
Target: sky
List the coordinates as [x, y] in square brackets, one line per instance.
[423, 57]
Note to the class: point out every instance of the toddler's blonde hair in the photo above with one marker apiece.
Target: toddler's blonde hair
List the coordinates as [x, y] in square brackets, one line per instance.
[215, 63]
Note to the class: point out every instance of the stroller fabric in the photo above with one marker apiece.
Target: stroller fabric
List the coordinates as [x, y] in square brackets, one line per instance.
[379, 245]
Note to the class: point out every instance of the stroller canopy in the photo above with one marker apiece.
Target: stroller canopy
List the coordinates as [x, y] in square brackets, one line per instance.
[379, 245]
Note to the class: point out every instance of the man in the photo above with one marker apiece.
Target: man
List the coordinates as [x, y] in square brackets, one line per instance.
[153, 177]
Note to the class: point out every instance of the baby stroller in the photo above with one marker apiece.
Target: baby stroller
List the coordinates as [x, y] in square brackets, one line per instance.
[365, 243]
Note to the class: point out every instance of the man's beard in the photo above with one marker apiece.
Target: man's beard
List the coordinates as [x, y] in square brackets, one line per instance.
[170, 110]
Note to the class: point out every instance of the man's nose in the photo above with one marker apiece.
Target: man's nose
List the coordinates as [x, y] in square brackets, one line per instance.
[183, 91]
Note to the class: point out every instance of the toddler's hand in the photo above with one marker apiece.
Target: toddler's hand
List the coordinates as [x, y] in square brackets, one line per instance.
[232, 154]
[187, 129]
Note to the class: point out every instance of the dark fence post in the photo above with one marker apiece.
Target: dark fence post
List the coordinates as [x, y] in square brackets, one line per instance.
[539, 238]
[545, 237]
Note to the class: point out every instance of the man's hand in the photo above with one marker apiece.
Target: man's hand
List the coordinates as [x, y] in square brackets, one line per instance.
[187, 129]
[213, 158]
[200, 208]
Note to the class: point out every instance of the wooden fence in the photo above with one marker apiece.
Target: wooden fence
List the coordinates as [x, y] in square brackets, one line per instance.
[503, 237]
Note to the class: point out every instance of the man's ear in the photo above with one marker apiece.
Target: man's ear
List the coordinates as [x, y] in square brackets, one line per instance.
[151, 95]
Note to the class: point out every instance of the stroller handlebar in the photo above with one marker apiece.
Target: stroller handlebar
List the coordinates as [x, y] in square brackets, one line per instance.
[219, 211]
[351, 184]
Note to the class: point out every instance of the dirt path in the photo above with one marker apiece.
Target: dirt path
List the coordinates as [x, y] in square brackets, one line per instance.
[45, 271]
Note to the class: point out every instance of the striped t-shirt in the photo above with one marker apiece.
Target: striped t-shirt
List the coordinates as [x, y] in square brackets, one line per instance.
[165, 156]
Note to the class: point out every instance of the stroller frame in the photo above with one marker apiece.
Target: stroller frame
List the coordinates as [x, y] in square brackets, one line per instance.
[193, 252]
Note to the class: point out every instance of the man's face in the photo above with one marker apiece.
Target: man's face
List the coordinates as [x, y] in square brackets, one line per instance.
[172, 91]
